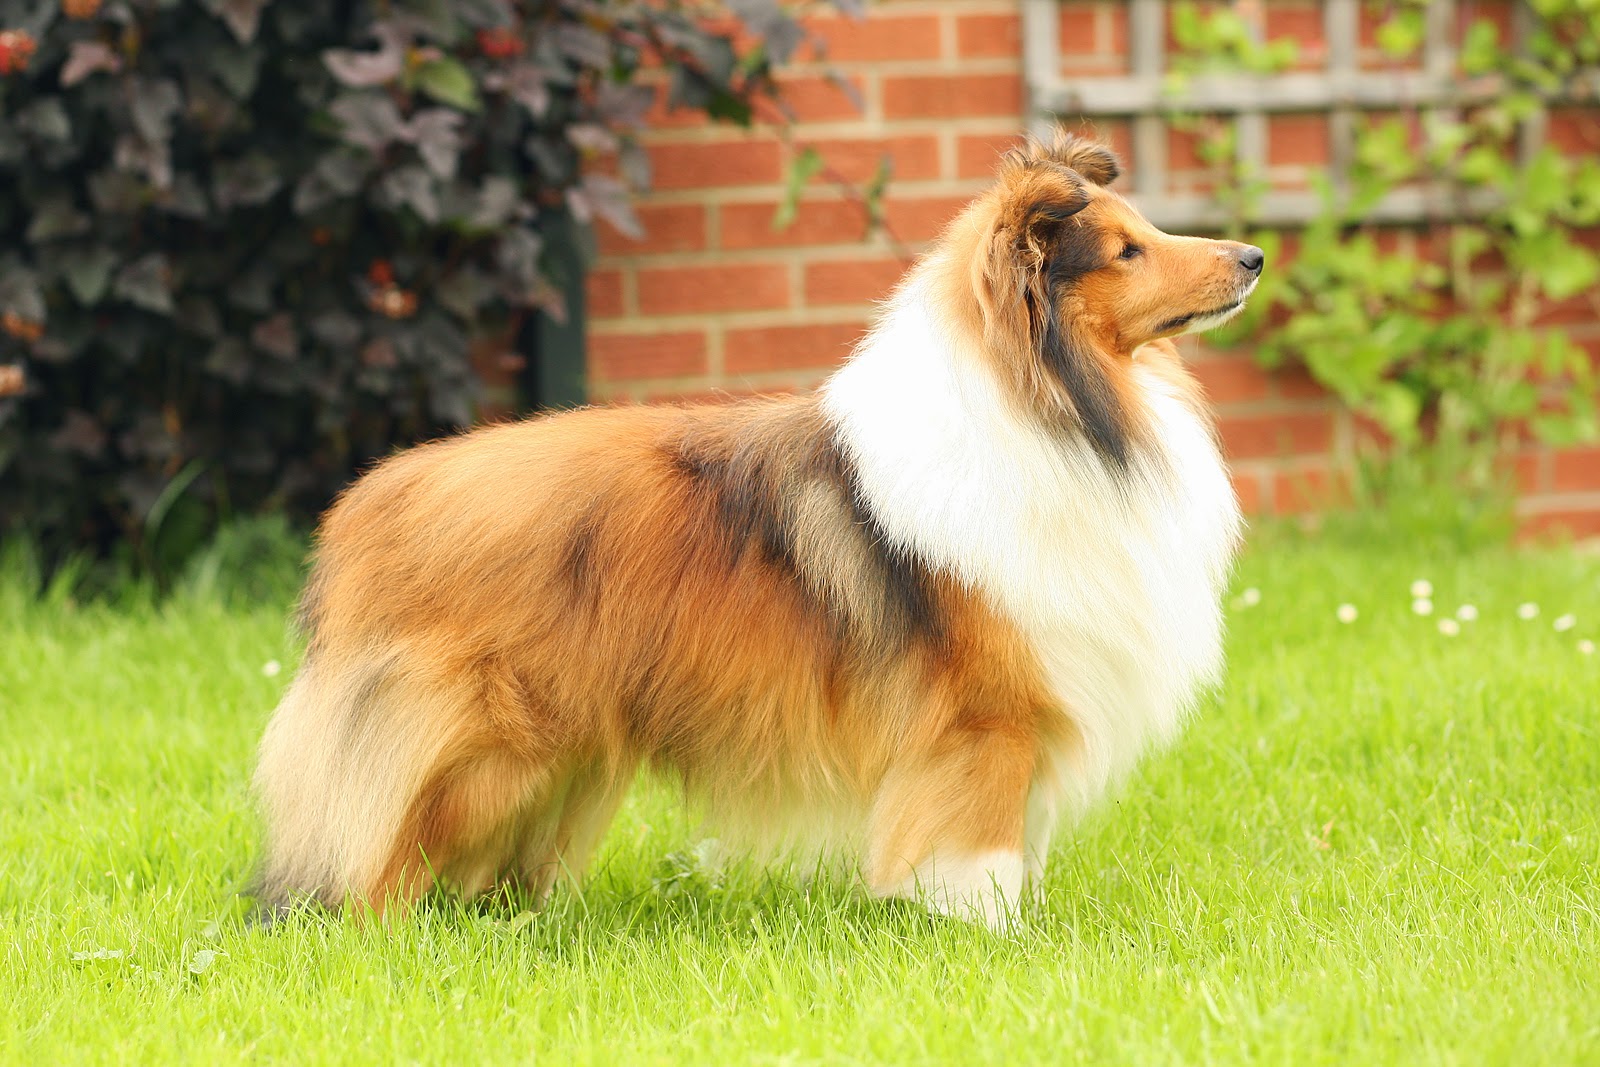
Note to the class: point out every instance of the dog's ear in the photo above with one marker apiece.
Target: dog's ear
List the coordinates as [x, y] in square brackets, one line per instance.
[1039, 196]
[1091, 159]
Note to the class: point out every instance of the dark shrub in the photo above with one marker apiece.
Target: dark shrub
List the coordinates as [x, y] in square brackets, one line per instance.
[245, 246]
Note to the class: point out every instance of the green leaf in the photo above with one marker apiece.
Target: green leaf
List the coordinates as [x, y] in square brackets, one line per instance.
[1402, 35]
[802, 169]
[448, 81]
[1480, 47]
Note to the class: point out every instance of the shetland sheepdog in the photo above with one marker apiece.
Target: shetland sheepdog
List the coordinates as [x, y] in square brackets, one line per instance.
[923, 617]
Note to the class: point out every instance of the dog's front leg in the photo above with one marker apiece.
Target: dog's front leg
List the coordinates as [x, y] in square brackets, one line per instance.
[947, 824]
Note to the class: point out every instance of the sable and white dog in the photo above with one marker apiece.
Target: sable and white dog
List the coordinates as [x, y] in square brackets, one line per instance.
[931, 612]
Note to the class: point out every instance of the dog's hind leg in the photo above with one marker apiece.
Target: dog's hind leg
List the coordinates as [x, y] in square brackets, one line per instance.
[560, 845]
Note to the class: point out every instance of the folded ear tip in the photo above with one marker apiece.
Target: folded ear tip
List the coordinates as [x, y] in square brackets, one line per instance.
[1088, 157]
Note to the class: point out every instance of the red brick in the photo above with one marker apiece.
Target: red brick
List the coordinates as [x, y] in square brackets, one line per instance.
[789, 347]
[1118, 45]
[1525, 471]
[1576, 469]
[1079, 31]
[662, 117]
[1301, 23]
[817, 222]
[921, 218]
[619, 356]
[667, 228]
[1574, 130]
[1501, 13]
[1266, 436]
[881, 37]
[817, 98]
[851, 281]
[989, 36]
[1297, 140]
[856, 159]
[725, 287]
[757, 161]
[1232, 380]
[1560, 523]
[942, 96]
[1582, 308]
[603, 294]
[1184, 147]
[977, 155]
[1247, 487]
[1294, 382]
[1313, 489]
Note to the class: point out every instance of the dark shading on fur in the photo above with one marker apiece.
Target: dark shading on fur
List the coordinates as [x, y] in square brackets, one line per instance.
[758, 479]
[1098, 410]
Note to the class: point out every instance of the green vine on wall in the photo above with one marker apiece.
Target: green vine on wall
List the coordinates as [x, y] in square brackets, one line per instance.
[1436, 333]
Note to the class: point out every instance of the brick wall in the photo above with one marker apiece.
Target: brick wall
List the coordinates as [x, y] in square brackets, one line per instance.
[714, 300]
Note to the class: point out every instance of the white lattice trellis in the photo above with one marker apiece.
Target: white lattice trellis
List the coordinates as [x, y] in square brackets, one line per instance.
[1341, 90]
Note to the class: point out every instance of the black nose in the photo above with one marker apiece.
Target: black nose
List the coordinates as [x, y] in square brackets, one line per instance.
[1252, 259]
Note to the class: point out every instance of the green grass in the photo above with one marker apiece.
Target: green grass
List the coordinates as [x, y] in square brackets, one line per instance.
[1377, 844]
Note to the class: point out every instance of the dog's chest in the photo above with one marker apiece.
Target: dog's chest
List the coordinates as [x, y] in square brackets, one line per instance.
[1114, 578]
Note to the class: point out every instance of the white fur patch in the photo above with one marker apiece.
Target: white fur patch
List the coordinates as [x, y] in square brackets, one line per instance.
[984, 887]
[1117, 580]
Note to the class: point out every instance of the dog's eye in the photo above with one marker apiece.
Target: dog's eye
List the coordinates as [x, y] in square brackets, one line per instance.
[1129, 251]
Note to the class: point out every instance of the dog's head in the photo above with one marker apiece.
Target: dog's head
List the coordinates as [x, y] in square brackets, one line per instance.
[1071, 282]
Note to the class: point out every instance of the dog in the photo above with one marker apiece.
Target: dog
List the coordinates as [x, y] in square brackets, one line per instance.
[923, 617]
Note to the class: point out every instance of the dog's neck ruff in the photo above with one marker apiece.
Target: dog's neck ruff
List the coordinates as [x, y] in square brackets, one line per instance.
[1115, 576]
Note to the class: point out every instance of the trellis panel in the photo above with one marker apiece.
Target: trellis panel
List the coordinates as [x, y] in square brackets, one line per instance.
[1341, 90]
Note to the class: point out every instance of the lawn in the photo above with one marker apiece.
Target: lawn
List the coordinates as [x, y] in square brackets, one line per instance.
[1378, 843]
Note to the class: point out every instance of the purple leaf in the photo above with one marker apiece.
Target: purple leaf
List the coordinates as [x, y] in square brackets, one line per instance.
[20, 295]
[436, 132]
[87, 272]
[591, 137]
[243, 17]
[276, 336]
[634, 163]
[136, 155]
[146, 283]
[528, 86]
[584, 43]
[371, 120]
[365, 69]
[498, 202]
[86, 58]
[79, 433]
[605, 196]
[153, 103]
[624, 105]
[379, 352]
[412, 187]
[249, 180]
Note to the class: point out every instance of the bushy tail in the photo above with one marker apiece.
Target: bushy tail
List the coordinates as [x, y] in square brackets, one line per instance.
[341, 768]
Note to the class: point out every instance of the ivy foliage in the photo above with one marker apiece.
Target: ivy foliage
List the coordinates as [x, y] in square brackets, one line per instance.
[1441, 338]
[247, 245]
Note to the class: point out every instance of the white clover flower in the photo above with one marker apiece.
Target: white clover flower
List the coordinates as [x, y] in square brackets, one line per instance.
[1421, 589]
[1422, 606]
[1564, 623]
[271, 668]
[1449, 627]
[1250, 597]
[1347, 613]
[1586, 647]
[1467, 613]
[1528, 611]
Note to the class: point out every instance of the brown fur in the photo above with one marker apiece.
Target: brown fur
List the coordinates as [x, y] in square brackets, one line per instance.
[503, 626]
